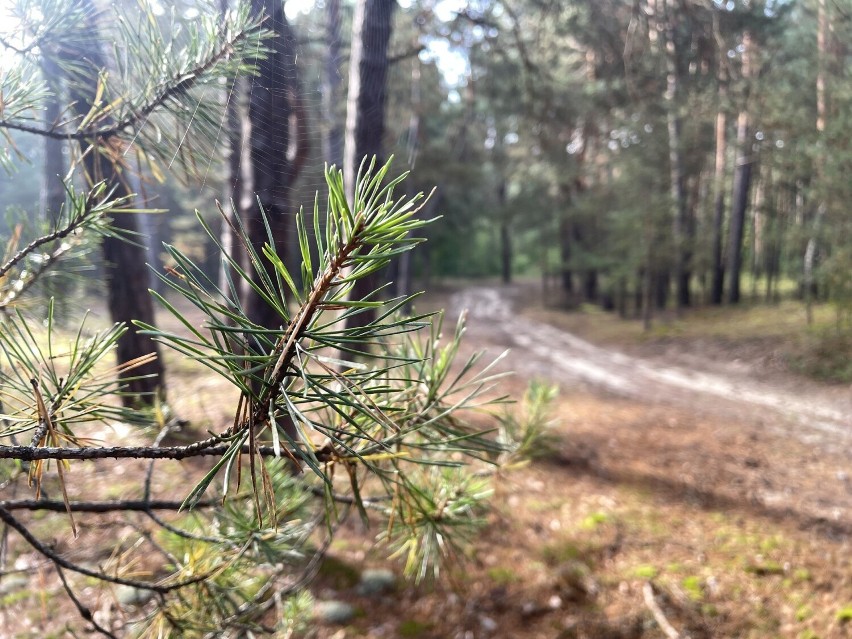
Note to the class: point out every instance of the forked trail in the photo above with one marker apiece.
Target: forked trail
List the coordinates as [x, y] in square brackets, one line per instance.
[808, 411]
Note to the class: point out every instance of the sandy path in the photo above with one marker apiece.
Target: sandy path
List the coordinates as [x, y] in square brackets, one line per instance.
[541, 350]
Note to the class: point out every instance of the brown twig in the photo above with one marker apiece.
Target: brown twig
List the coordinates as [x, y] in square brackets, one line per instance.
[61, 562]
[58, 234]
[204, 448]
[123, 505]
[84, 611]
[659, 617]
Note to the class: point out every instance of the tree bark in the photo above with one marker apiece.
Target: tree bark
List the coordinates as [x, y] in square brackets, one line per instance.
[274, 154]
[332, 131]
[505, 236]
[365, 108]
[742, 182]
[52, 188]
[717, 263]
[126, 273]
[677, 188]
[233, 192]
[811, 248]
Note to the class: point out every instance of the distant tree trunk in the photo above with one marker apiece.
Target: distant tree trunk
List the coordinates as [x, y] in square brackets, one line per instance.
[505, 236]
[52, 187]
[662, 283]
[365, 105]
[742, 183]
[233, 192]
[758, 232]
[127, 275]
[52, 192]
[676, 171]
[275, 154]
[404, 274]
[717, 263]
[566, 239]
[332, 131]
[811, 248]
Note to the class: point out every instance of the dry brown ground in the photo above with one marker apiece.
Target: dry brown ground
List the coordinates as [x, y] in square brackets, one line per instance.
[736, 510]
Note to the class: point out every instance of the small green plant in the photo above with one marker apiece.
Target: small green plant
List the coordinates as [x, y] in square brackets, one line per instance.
[647, 572]
[594, 520]
[693, 587]
[844, 615]
[502, 576]
[527, 433]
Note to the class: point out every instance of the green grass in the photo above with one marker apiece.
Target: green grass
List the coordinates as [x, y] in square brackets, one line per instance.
[844, 615]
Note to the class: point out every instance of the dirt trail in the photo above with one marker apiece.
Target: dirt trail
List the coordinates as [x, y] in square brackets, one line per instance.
[809, 411]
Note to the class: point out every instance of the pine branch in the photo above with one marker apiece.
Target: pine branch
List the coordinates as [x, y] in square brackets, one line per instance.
[197, 449]
[285, 351]
[137, 117]
[84, 610]
[74, 224]
[124, 505]
[61, 562]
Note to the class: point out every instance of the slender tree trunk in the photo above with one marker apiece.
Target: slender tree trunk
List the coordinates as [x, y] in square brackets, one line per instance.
[566, 239]
[717, 263]
[275, 154]
[233, 192]
[811, 248]
[404, 275]
[365, 107]
[126, 273]
[742, 182]
[676, 171]
[505, 236]
[332, 131]
[368, 67]
[758, 233]
[52, 194]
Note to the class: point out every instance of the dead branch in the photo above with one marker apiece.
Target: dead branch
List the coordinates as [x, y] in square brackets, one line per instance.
[61, 562]
[659, 617]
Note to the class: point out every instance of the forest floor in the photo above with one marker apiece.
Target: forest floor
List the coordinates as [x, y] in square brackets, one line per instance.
[689, 479]
[693, 464]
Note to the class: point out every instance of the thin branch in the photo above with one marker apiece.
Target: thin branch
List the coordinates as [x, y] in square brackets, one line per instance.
[25, 453]
[85, 613]
[285, 350]
[118, 505]
[182, 83]
[58, 234]
[659, 617]
[369, 502]
[410, 53]
[61, 562]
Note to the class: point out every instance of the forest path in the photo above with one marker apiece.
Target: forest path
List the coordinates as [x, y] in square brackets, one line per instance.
[811, 412]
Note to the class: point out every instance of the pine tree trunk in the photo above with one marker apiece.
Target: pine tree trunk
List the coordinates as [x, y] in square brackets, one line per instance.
[742, 183]
[275, 154]
[332, 130]
[52, 188]
[717, 263]
[676, 171]
[233, 191]
[811, 248]
[365, 107]
[126, 273]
